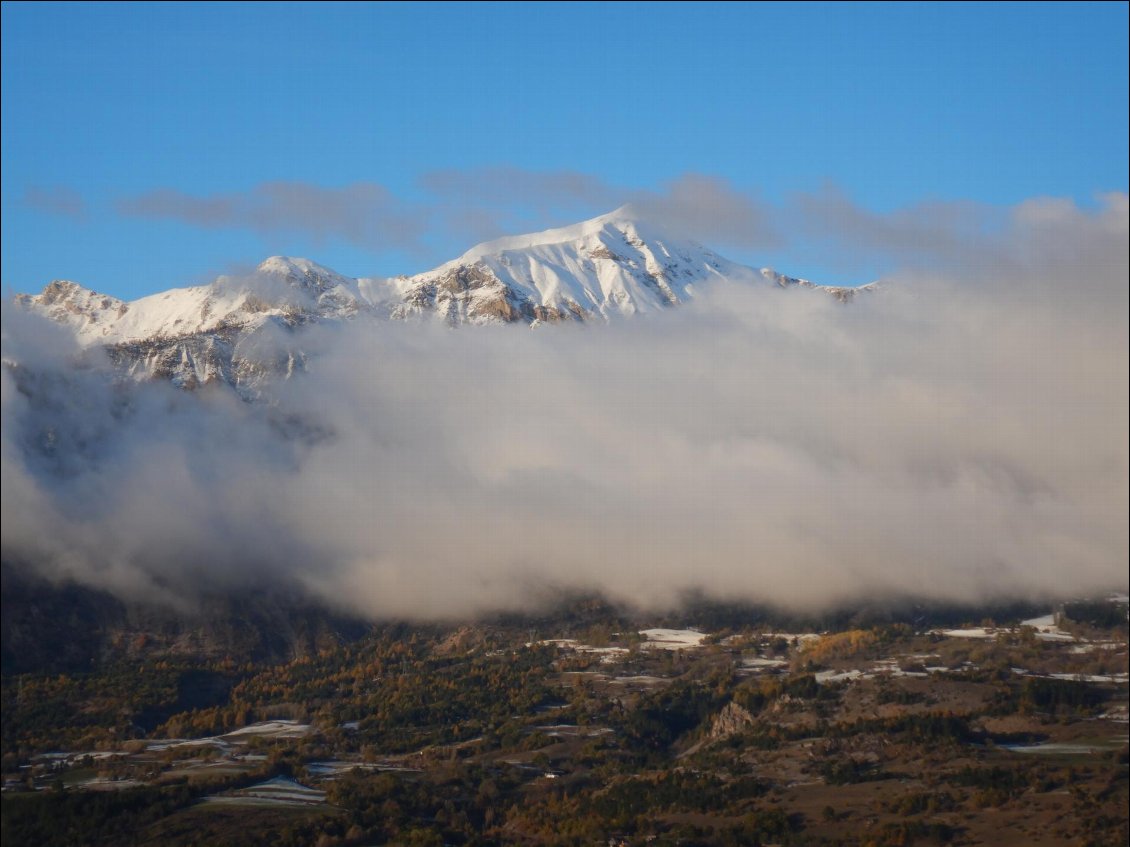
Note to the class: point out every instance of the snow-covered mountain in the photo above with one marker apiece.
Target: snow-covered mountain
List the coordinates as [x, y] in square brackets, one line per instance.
[227, 331]
[609, 266]
[230, 330]
[281, 289]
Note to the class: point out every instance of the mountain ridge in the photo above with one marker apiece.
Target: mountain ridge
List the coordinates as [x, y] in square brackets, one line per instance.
[605, 268]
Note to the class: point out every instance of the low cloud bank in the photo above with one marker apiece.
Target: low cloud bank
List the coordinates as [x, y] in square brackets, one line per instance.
[960, 434]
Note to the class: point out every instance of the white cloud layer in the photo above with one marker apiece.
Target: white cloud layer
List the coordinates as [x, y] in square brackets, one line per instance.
[960, 434]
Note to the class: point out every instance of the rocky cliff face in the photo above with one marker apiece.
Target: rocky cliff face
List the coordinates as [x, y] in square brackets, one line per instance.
[732, 720]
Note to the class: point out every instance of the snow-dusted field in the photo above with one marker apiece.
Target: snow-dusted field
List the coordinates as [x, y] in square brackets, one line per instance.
[263, 729]
[759, 663]
[170, 743]
[1045, 627]
[1063, 749]
[272, 729]
[607, 654]
[672, 639]
[839, 676]
[99, 783]
[971, 632]
[280, 791]
[335, 767]
[568, 730]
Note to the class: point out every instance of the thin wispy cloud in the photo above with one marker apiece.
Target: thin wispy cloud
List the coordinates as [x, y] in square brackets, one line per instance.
[830, 222]
[363, 214]
[512, 186]
[456, 209]
[465, 206]
[698, 206]
[56, 200]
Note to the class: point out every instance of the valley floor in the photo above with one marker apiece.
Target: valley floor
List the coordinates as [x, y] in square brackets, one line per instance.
[589, 733]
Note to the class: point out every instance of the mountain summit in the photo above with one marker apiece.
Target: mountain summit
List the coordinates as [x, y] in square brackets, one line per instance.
[609, 266]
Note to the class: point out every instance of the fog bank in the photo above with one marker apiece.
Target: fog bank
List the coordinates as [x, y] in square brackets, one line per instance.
[959, 434]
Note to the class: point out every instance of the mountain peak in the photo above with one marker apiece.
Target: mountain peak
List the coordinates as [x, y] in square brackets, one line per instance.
[617, 263]
[62, 296]
[60, 290]
[629, 213]
[293, 266]
[625, 221]
[297, 276]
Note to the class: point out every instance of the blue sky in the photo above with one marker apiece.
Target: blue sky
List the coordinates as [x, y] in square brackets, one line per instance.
[146, 146]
